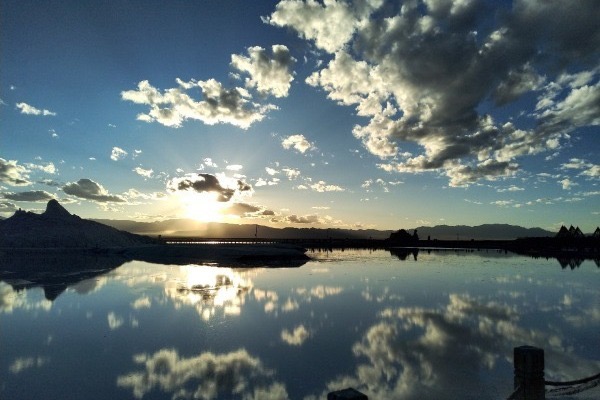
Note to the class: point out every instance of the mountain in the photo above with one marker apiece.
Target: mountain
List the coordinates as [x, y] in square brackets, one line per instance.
[57, 228]
[187, 227]
[480, 232]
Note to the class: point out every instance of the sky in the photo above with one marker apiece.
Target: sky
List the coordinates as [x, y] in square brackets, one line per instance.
[350, 114]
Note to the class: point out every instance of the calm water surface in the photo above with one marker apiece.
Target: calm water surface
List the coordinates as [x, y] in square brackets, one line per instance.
[439, 327]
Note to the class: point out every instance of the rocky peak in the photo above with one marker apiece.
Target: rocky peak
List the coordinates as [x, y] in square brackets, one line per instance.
[55, 210]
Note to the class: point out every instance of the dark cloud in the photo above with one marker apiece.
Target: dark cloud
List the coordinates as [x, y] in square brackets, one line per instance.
[7, 207]
[33, 195]
[246, 210]
[11, 173]
[90, 190]
[298, 219]
[423, 72]
[210, 183]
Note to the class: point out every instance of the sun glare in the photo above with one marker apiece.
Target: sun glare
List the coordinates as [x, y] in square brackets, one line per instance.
[202, 206]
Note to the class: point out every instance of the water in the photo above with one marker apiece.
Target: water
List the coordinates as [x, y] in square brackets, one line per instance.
[439, 327]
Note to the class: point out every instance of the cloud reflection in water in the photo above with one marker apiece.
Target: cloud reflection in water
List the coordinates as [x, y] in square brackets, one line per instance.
[205, 376]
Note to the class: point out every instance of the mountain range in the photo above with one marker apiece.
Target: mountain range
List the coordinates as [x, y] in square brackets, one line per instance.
[188, 227]
[57, 228]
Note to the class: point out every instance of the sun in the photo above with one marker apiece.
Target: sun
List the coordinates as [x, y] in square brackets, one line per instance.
[202, 206]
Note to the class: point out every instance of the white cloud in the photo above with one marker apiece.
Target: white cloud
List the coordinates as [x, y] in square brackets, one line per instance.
[298, 142]
[219, 105]
[322, 186]
[234, 167]
[271, 171]
[146, 173]
[567, 183]
[31, 110]
[269, 73]
[330, 25]
[117, 154]
[291, 173]
[421, 72]
[48, 168]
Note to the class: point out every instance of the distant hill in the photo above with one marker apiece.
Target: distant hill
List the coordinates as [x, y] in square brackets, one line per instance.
[480, 232]
[187, 227]
[57, 228]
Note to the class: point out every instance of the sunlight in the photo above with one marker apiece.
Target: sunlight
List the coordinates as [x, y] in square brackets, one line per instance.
[202, 206]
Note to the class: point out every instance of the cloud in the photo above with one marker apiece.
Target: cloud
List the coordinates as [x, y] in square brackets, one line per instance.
[330, 25]
[271, 171]
[234, 167]
[246, 210]
[567, 183]
[219, 105]
[427, 72]
[90, 190]
[117, 154]
[31, 110]
[296, 337]
[33, 196]
[298, 142]
[291, 173]
[48, 168]
[225, 188]
[7, 207]
[299, 219]
[207, 376]
[588, 169]
[13, 174]
[146, 173]
[322, 186]
[269, 73]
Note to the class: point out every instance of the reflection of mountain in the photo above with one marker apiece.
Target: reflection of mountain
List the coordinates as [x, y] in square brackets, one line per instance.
[57, 228]
[403, 253]
[53, 272]
[204, 376]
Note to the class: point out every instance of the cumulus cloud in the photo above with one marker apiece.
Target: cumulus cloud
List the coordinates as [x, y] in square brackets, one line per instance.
[219, 105]
[421, 73]
[329, 25]
[246, 210]
[13, 174]
[32, 195]
[234, 167]
[88, 189]
[117, 154]
[205, 376]
[146, 173]
[225, 188]
[31, 110]
[291, 173]
[297, 142]
[268, 73]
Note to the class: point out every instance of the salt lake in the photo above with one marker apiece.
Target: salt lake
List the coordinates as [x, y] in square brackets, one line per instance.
[403, 325]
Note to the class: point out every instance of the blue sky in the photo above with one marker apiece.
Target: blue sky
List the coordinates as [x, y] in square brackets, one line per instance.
[364, 114]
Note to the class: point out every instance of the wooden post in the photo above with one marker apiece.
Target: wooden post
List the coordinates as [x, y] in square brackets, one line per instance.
[529, 373]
